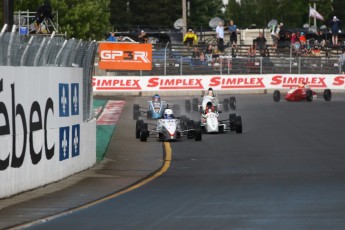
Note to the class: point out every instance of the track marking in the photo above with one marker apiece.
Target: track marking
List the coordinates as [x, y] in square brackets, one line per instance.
[158, 173]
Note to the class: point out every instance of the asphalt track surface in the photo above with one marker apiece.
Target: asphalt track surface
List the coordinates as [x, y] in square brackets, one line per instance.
[286, 171]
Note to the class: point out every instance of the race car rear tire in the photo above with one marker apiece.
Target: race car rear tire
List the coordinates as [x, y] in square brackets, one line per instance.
[309, 95]
[144, 133]
[138, 128]
[226, 104]
[327, 94]
[198, 134]
[187, 106]
[190, 125]
[195, 103]
[276, 95]
[238, 124]
[232, 103]
[221, 129]
[136, 112]
[232, 119]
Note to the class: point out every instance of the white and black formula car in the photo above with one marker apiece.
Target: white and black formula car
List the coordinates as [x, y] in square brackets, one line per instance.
[210, 122]
[168, 128]
[210, 96]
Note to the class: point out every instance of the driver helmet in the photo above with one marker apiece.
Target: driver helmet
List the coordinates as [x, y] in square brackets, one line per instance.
[168, 113]
[209, 108]
[210, 92]
[303, 84]
[156, 98]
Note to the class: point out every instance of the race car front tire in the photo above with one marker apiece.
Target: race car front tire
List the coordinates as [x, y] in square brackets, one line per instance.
[309, 95]
[327, 94]
[138, 128]
[238, 124]
[276, 95]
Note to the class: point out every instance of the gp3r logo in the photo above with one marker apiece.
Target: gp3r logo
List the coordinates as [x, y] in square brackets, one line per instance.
[125, 55]
[69, 136]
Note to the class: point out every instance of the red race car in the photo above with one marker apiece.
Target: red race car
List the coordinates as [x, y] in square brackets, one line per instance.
[302, 93]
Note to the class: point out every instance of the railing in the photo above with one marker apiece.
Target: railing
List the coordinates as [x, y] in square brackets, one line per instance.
[18, 50]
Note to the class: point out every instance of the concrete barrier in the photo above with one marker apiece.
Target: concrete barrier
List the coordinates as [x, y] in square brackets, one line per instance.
[43, 137]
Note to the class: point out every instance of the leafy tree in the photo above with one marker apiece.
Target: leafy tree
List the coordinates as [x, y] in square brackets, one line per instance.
[201, 12]
[233, 11]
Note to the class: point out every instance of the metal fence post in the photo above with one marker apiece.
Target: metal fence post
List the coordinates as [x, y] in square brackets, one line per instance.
[228, 65]
[299, 65]
[181, 65]
[340, 68]
[10, 44]
[165, 59]
[261, 58]
[221, 66]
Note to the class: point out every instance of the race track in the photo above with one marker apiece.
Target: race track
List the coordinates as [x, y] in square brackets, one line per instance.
[286, 171]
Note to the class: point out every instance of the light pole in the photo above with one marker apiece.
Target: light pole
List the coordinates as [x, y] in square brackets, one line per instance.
[184, 16]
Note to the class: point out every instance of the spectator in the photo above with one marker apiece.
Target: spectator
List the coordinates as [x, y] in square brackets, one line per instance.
[143, 38]
[307, 49]
[220, 36]
[261, 44]
[342, 61]
[120, 39]
[303, 39]
[316, 48]
[335, 30]
[293, 38]
[112, 37]
[233, 34]
[319, 38]
[43, 11]
[275, 34]
[297, 48]
[195, 56]
[251, 52]
[190, 38]
[208, 53]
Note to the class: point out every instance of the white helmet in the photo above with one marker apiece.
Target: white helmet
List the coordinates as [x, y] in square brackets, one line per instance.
[168, 113]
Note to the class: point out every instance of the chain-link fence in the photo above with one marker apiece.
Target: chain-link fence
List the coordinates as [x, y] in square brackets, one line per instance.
[19, 50]
[179, 61]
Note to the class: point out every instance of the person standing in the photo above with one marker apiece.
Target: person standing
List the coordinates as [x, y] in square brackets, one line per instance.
[275, 35]
[261, 44]
[233, 34]
[112, 37]
[220, 36]
[143, 38]
[335, 30]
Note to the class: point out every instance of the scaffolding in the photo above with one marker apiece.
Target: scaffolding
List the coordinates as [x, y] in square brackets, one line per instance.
[24, 20]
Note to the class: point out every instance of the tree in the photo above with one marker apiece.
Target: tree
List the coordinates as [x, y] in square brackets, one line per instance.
[233, 11]
[201, 12]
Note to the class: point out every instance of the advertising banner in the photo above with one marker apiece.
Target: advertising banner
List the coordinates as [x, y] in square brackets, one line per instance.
[218, 82]
[125, 56]
[42, 134]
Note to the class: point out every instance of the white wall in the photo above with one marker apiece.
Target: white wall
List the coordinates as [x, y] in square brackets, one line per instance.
[53, 121]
